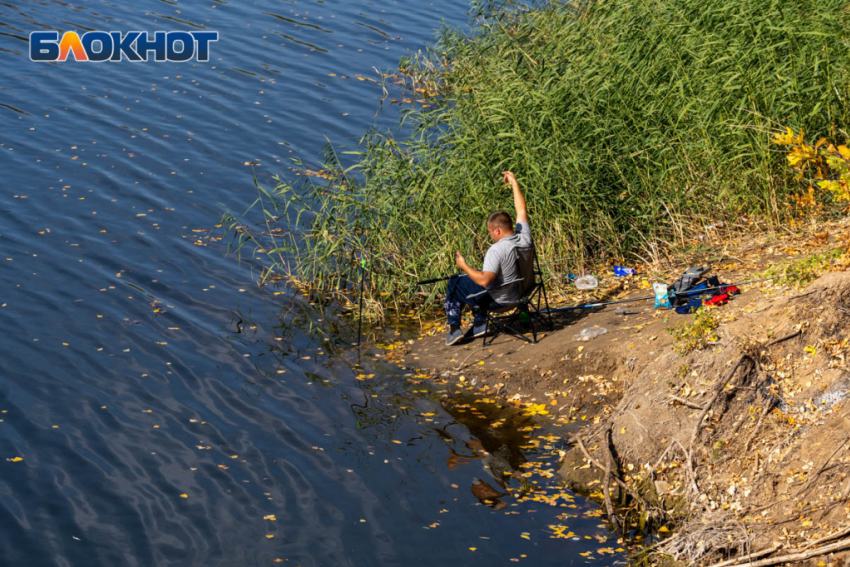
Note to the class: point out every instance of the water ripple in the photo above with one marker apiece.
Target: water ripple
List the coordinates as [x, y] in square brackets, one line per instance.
[164, 408]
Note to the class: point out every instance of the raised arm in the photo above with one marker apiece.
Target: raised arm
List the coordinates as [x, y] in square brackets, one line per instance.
[519, 200]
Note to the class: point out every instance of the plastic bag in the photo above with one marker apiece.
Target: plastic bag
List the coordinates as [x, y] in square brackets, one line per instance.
[586, 282]
[590, 333]
[662, 298]
[620, 271]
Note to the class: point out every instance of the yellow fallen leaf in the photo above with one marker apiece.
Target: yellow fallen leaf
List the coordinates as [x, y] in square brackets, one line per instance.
[472, 548]
[16, 459]
[184, 496]
[269, 536]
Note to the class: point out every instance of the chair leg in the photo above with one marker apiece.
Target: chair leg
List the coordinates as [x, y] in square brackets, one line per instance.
[528, 313]
[549, 323]
[508, 327]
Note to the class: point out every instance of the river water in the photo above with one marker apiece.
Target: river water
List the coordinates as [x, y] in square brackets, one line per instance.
[157, 407]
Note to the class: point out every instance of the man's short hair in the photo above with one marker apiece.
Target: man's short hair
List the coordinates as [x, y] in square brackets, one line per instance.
[500, 219]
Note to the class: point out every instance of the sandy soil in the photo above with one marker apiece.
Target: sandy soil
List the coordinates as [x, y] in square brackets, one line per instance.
[737, 447]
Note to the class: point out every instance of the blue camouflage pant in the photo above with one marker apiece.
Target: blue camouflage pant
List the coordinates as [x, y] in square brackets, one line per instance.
[456, 299]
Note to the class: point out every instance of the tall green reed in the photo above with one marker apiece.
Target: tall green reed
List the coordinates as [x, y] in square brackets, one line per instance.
[626, 122]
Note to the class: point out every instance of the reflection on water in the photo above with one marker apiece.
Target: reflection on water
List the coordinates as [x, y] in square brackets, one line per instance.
[158, 408]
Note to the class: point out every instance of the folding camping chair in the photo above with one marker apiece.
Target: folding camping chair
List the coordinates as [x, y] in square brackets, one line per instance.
[510, 318]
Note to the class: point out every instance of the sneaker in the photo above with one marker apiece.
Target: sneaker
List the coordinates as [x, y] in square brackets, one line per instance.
[453, 337]
[479, 330]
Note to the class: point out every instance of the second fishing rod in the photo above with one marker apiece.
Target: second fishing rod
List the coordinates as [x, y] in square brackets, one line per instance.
[690, 293]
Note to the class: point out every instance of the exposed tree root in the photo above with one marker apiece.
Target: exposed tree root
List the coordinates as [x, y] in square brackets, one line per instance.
[620, 482]
[717, 391]
[793, 557]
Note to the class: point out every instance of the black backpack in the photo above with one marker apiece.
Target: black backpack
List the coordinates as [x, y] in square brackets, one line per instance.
[690, 279]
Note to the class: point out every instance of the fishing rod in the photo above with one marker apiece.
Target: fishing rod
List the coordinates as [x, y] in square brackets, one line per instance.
[684, 294]
[360, 317]
[435, 280]
[605, 303]
[593, 305]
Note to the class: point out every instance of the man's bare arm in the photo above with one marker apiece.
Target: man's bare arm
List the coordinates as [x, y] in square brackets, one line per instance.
[519, 200]
[481, 278]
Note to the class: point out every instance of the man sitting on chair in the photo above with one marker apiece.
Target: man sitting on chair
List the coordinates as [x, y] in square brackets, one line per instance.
[492, 284]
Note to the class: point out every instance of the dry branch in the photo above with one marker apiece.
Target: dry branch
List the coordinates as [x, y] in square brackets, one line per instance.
[714, 534]
[606, 485]
[785, 338]
[719, 390]
[800, 556]
[767, 408]
[825, 539]
[599, 466]
[692, 475]
[685, 402]
[822, 467]
[748, 557]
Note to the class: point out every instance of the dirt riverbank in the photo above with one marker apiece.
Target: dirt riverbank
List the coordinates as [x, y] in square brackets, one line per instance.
[738, 446]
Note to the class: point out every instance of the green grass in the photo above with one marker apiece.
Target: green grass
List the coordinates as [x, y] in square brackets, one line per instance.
[626, 123]
[804, 270]
[698, 333]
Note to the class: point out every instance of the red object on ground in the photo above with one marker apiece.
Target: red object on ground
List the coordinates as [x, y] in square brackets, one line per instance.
[719, 299]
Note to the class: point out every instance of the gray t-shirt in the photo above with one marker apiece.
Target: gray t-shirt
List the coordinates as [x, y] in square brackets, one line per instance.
[501, 260]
